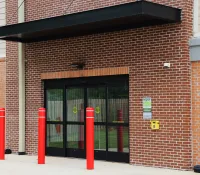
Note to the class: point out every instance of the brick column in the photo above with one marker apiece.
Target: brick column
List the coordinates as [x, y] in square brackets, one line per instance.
[2, 82]
[196, 111]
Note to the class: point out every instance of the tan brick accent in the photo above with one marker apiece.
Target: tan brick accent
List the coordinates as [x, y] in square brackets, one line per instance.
[85, 73]
[2, 82]
[196, 111]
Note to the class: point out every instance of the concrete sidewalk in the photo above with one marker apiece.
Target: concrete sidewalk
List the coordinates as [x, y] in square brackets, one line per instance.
[27, 165]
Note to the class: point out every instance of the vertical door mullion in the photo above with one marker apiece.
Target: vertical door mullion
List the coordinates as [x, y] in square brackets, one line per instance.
[64, 120]
[45, 106]
[106, 120]
[85, 106]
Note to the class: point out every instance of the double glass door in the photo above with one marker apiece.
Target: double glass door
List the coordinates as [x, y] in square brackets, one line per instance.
[66, 121]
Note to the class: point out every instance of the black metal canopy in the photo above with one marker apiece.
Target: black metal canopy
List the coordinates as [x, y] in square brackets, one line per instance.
[125, 16]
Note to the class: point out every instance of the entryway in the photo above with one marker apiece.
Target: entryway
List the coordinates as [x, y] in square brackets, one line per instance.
[66, 101]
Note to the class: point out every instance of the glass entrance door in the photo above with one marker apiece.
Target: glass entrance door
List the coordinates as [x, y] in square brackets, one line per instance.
[111, 122]
[66, 105]
[75, 113]
[54, 129]
[118, 124]
[96, 98]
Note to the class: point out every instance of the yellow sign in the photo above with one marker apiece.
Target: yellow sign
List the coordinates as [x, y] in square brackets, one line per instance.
[155, 124]
[97, 110]
[75, 110]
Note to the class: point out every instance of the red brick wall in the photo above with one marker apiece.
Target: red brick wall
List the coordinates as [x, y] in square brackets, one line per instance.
[12, 117]
[196, 111]
[49, 8]
[2, 82]
[144, 50]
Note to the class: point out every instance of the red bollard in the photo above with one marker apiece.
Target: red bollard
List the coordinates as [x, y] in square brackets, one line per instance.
[41, 135]
[90, 138]
[120, 132]
[2, 133]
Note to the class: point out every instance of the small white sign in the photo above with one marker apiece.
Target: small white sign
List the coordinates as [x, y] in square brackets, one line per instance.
[147, 115]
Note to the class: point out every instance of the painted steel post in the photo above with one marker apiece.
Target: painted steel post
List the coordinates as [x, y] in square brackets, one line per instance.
[120, 132]
[41, 135]
[2, 133]
[90, 138]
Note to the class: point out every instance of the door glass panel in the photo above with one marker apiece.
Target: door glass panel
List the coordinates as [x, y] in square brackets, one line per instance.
[111, 105]
[118, 109]
[100, 137]
[54, 105]
[55, 135]
[118, 139]
[97, 100]
[75, 104]
[75, 136]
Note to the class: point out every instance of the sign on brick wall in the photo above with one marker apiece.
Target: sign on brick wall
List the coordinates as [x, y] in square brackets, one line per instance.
[147, 112]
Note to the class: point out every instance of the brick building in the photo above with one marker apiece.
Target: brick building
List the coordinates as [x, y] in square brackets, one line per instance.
[2, 57]
[2, 82]
[194, 52]
[110, 55]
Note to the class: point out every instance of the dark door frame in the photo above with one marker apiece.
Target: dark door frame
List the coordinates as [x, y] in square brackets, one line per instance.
[107, 81]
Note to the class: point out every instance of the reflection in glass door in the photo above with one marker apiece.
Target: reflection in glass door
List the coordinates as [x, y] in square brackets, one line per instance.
[54, 103]
[75, 122]
[96, 97]
[118, 118]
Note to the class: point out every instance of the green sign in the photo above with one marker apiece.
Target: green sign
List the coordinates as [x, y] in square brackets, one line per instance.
[75, 110]
[97, 110]
[147, 104]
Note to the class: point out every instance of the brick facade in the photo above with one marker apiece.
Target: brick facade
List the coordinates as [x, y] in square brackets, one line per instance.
[196, 111]
[143, 50]
[2, 82]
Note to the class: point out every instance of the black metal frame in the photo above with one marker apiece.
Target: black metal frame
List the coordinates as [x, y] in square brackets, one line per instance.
[107, 81]
[125, 16]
